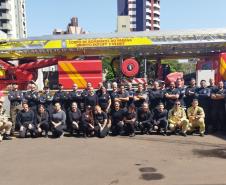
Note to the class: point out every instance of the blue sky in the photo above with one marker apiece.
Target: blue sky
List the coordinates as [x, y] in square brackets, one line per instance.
[99, 16]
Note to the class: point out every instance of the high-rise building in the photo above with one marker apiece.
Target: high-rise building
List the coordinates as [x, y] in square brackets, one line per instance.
[13, 18]
[72, 28]
[144, 14]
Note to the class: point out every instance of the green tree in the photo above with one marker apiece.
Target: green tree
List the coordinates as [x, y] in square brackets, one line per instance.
[175, 66]
[107, 69]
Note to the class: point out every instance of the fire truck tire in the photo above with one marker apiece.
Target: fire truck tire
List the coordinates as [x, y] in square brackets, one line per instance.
[130, 67]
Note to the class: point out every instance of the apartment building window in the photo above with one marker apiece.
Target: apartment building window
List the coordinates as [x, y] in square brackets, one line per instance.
[132, 9]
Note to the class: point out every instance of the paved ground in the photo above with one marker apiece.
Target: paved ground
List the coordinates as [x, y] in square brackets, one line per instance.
[141, 160]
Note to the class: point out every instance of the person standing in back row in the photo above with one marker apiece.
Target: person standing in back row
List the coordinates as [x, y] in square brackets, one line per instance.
[181, 88]
[155, 96]
[190, 92]
[203, 96]
[218, 111]
[140, 96]
[32, 97]
[46, 99]
[171, 96]
[15, 97]
[61, 97]
[123, 97]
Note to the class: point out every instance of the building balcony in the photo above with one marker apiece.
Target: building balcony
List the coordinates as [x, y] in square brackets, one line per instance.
[148, 3]
[148, 17]
[5, 6]
[157, 12]
[156, 19]
[131, 13]
[156, 6]
[157, 26]
[6, 26]
[5, 17]
[132, 19]
[132, 6]
[133, 26]
[148, 24]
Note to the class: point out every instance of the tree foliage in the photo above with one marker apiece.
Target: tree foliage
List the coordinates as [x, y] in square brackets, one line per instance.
[176, 66]
[109, 75]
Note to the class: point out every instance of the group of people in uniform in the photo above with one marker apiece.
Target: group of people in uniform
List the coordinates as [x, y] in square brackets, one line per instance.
[176, 109]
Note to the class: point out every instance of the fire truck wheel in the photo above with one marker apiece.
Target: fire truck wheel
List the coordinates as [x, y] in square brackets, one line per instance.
[130, 67]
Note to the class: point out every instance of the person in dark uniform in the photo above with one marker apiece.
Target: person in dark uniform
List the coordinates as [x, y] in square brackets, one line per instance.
[86, 90]
[99, 90]
[58, 121]
[145, 119]
[26, 121]
[114, 94]
[104, 100]
[61, 97]
[91, 99]
[190, 93]
[123, 97]
[46, 99]
[130, 120]
[75, 96]
[140, 96]
[88, 122]
[32, 97]
[74, 118]
[156, 96]
[160, 119]
[42, 120]
[212, 85]
[203, 96]
[130, 90]
[213, 89]
[101, 122]
[181, 88]
[218, 111]
[171, 96]
[116, 120]
[15, 97]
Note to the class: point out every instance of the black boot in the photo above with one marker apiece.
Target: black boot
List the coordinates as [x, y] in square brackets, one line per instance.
[7, 137]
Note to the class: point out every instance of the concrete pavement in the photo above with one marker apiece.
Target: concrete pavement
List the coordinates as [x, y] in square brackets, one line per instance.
[141, 160]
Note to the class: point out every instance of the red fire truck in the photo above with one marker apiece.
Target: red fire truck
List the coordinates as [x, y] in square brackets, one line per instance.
[78, 58]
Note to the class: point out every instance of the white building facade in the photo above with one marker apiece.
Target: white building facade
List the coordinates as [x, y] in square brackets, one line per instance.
[13, 18]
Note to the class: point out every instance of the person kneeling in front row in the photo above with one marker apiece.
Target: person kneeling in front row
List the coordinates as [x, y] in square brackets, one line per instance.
[130, 120]
[196, 116]
[42, 121]
[88, 126]
[26, 121]
[5, 124]
[74, 119]
[145, 119]
[177, 119]
[116, 120]
[160, 119]
[101, 122]
[58, 121]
